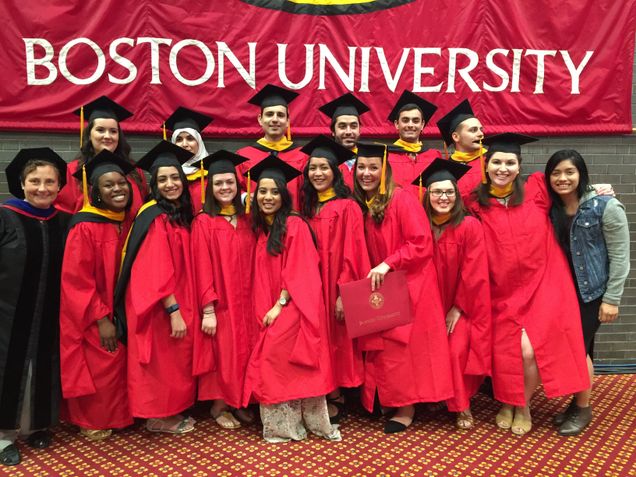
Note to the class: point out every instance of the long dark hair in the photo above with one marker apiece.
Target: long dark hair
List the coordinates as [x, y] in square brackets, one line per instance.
[557, 211]
[212, 207]
[309, 194]
[123, 149]
[381, 202]
[482, 191]
[457, 213]
[181, 213]
[279, 227]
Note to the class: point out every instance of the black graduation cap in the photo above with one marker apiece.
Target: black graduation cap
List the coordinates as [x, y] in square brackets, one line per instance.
[323, 146]
[441, 170]
[103, 163]
[508, 142]
[104, 107]
[272, 167]
[16, 166]
[408, 101]
[371, 149]
[222, 161]
[272, 95]
[448, 124]
[187, 118]
[164, 154]
[346, 104]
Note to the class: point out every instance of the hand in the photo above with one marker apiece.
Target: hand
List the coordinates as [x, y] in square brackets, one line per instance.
[107, 334]
[339, 309]
[377, 275]
[451, 319]
[208, 324]
[178, 325]
[272, 314]
[604, 189]
[607, 313]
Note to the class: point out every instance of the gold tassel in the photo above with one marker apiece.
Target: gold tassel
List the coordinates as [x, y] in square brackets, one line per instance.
[165, 136]
[383, 176]
[445, 150]
[202, 183]
[288, 132]
[248, 199]
[84, 186]
[482, 164]
[81, 126]
[420, 191]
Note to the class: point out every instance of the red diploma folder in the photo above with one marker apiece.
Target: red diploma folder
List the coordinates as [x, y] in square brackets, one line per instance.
[368, 312]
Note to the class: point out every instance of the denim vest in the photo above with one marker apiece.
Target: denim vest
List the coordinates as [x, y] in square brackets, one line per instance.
[587, 247]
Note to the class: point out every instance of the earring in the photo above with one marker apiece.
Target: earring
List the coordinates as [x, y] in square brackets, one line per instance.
[99, 199]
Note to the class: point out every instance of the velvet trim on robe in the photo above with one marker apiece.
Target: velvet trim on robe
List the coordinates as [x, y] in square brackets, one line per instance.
[160, 379]
[410, 363]
[291, 358]
[406, 166]
[462, 273]
[31, 251]
[531, 287]
[292, 156]
[93, 379]
[224, 257]
[70, 198]
[339, 230]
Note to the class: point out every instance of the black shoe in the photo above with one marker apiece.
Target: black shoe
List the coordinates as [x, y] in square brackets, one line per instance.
[340, 407]
[391, 427]
[39, 439]
[10, 455]
[560, 418]
[578, 420]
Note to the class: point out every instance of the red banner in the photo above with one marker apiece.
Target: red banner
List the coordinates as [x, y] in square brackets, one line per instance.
[539, 67]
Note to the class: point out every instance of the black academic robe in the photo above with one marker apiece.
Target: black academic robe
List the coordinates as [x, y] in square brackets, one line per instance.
[31, 253]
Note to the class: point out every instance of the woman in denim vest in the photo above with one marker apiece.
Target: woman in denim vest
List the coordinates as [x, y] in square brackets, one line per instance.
[593, 232]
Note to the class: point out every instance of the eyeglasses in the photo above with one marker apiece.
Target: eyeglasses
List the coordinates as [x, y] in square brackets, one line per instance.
[439, 193]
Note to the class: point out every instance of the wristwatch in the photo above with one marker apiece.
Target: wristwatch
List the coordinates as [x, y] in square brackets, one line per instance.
[283, 301]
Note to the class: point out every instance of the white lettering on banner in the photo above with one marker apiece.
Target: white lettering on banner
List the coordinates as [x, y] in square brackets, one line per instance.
[363, 62]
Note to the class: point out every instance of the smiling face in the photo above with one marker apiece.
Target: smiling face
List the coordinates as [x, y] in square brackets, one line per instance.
[503, 168]
[224, 188]
[346, 130]
[114, 191]
[468, 135]
[41, 186]
[320, 173]
[368, 174]
[274, 120]
[565, 178]
[188, 142]
[104, 134]
[169, 183]
[409, 125]
[442, 195]
[268, 197]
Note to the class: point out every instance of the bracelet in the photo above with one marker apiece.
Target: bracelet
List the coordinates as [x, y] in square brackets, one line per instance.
[172, 308]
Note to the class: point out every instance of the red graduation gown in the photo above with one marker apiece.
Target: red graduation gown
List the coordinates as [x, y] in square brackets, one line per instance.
[531, 287]
[223, 259]
[194, 187]
[348, 174]
[339, 229]
[292, 156]
[471, 179]
[70, 198]
[291, 357]
[410, 363]
[160, 379]
[93, 379]
[407, 165]
[462, 273]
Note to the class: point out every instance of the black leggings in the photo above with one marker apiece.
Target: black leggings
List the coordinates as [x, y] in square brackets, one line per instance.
[590, 323]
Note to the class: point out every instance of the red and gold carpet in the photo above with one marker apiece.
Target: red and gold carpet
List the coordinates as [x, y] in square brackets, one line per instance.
[431, 447]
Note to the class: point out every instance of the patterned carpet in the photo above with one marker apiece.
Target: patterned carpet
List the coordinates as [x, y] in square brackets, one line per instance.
[431, 447]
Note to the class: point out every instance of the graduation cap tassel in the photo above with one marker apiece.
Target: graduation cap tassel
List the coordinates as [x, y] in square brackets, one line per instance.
[288, 131]
[248, 200]
[202, 182]
[81, 126]
[383, 175]
[165, 136]
[482, 163]
[445, 150]
[419, 191]
[84, 187]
